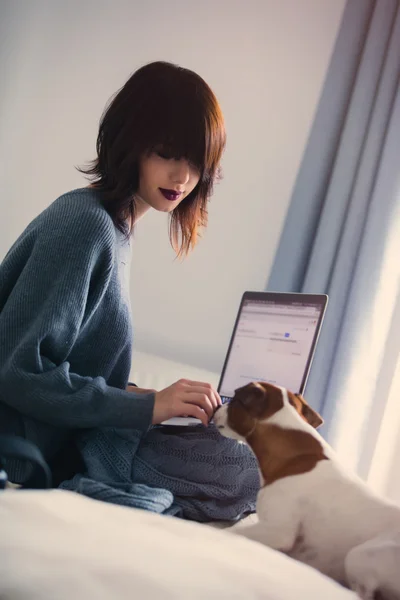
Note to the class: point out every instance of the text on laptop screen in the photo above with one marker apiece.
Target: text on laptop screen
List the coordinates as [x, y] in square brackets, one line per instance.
[272, 343]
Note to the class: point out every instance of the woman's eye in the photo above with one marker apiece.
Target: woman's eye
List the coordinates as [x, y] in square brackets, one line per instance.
[165, 155]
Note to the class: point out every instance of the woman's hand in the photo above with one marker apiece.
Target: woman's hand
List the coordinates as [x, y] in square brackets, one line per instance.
[186, 398]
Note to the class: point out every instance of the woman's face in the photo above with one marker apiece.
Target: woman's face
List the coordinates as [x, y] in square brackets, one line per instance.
[164, 182]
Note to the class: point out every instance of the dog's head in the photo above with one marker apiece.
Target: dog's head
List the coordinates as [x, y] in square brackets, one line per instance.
[263, 402]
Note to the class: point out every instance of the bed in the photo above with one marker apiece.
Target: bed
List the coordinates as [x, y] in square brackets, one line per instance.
[57, 545]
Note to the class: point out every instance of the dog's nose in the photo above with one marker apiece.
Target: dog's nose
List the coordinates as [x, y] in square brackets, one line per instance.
[216, 418]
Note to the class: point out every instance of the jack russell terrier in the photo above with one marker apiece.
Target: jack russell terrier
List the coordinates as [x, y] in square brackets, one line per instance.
[309, 506]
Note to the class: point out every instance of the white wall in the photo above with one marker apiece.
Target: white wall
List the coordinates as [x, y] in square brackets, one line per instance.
[266, 61]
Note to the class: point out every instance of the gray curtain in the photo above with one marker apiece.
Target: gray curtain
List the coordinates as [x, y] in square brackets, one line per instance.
[342, 231]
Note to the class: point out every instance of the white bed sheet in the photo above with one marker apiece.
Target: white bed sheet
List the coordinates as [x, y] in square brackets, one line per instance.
[57, 545]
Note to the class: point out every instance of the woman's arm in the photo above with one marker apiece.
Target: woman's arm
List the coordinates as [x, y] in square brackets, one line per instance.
[54, 293]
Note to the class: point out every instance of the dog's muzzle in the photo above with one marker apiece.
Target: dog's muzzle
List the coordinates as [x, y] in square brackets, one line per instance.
[220, 417]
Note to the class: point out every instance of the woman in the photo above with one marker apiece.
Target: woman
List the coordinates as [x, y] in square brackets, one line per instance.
[65, 325]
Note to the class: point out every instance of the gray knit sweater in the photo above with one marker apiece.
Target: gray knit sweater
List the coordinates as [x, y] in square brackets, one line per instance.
[65, 357]
[65, 325]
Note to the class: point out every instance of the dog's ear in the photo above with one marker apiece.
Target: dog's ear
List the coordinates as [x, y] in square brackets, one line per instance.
[309, 414]
[253, 397]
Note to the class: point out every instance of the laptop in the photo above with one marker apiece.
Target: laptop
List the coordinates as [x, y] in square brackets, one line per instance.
[273, 340]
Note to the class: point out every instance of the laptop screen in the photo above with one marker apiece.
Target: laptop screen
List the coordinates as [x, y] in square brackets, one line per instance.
[273, 340]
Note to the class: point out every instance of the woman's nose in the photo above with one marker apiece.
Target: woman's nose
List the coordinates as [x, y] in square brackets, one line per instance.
[180, 171]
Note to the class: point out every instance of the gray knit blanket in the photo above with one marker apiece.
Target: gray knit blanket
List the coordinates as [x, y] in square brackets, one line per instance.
[189, 472]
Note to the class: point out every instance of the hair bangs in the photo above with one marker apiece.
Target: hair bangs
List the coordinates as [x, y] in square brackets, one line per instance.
[181, 132]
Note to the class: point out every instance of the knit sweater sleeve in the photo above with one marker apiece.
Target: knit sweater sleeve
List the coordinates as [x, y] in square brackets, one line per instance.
[58, 288]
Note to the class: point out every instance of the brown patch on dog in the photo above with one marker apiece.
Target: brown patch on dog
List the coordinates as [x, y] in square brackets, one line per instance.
[284, 452]
[251, 403]
[280, 452]
[261, 400]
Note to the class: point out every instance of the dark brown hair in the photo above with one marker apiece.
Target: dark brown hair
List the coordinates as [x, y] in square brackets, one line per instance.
[161, 105]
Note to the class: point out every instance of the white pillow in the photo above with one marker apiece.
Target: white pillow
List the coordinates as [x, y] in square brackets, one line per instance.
[151, 371]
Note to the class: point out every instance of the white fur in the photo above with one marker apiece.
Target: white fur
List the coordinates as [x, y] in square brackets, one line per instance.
[320, 516]
[375, 565]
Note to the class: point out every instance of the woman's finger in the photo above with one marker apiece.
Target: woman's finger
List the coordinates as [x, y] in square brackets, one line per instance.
[192, 410]
[201, 400]
[204, 388]
[217, 398]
